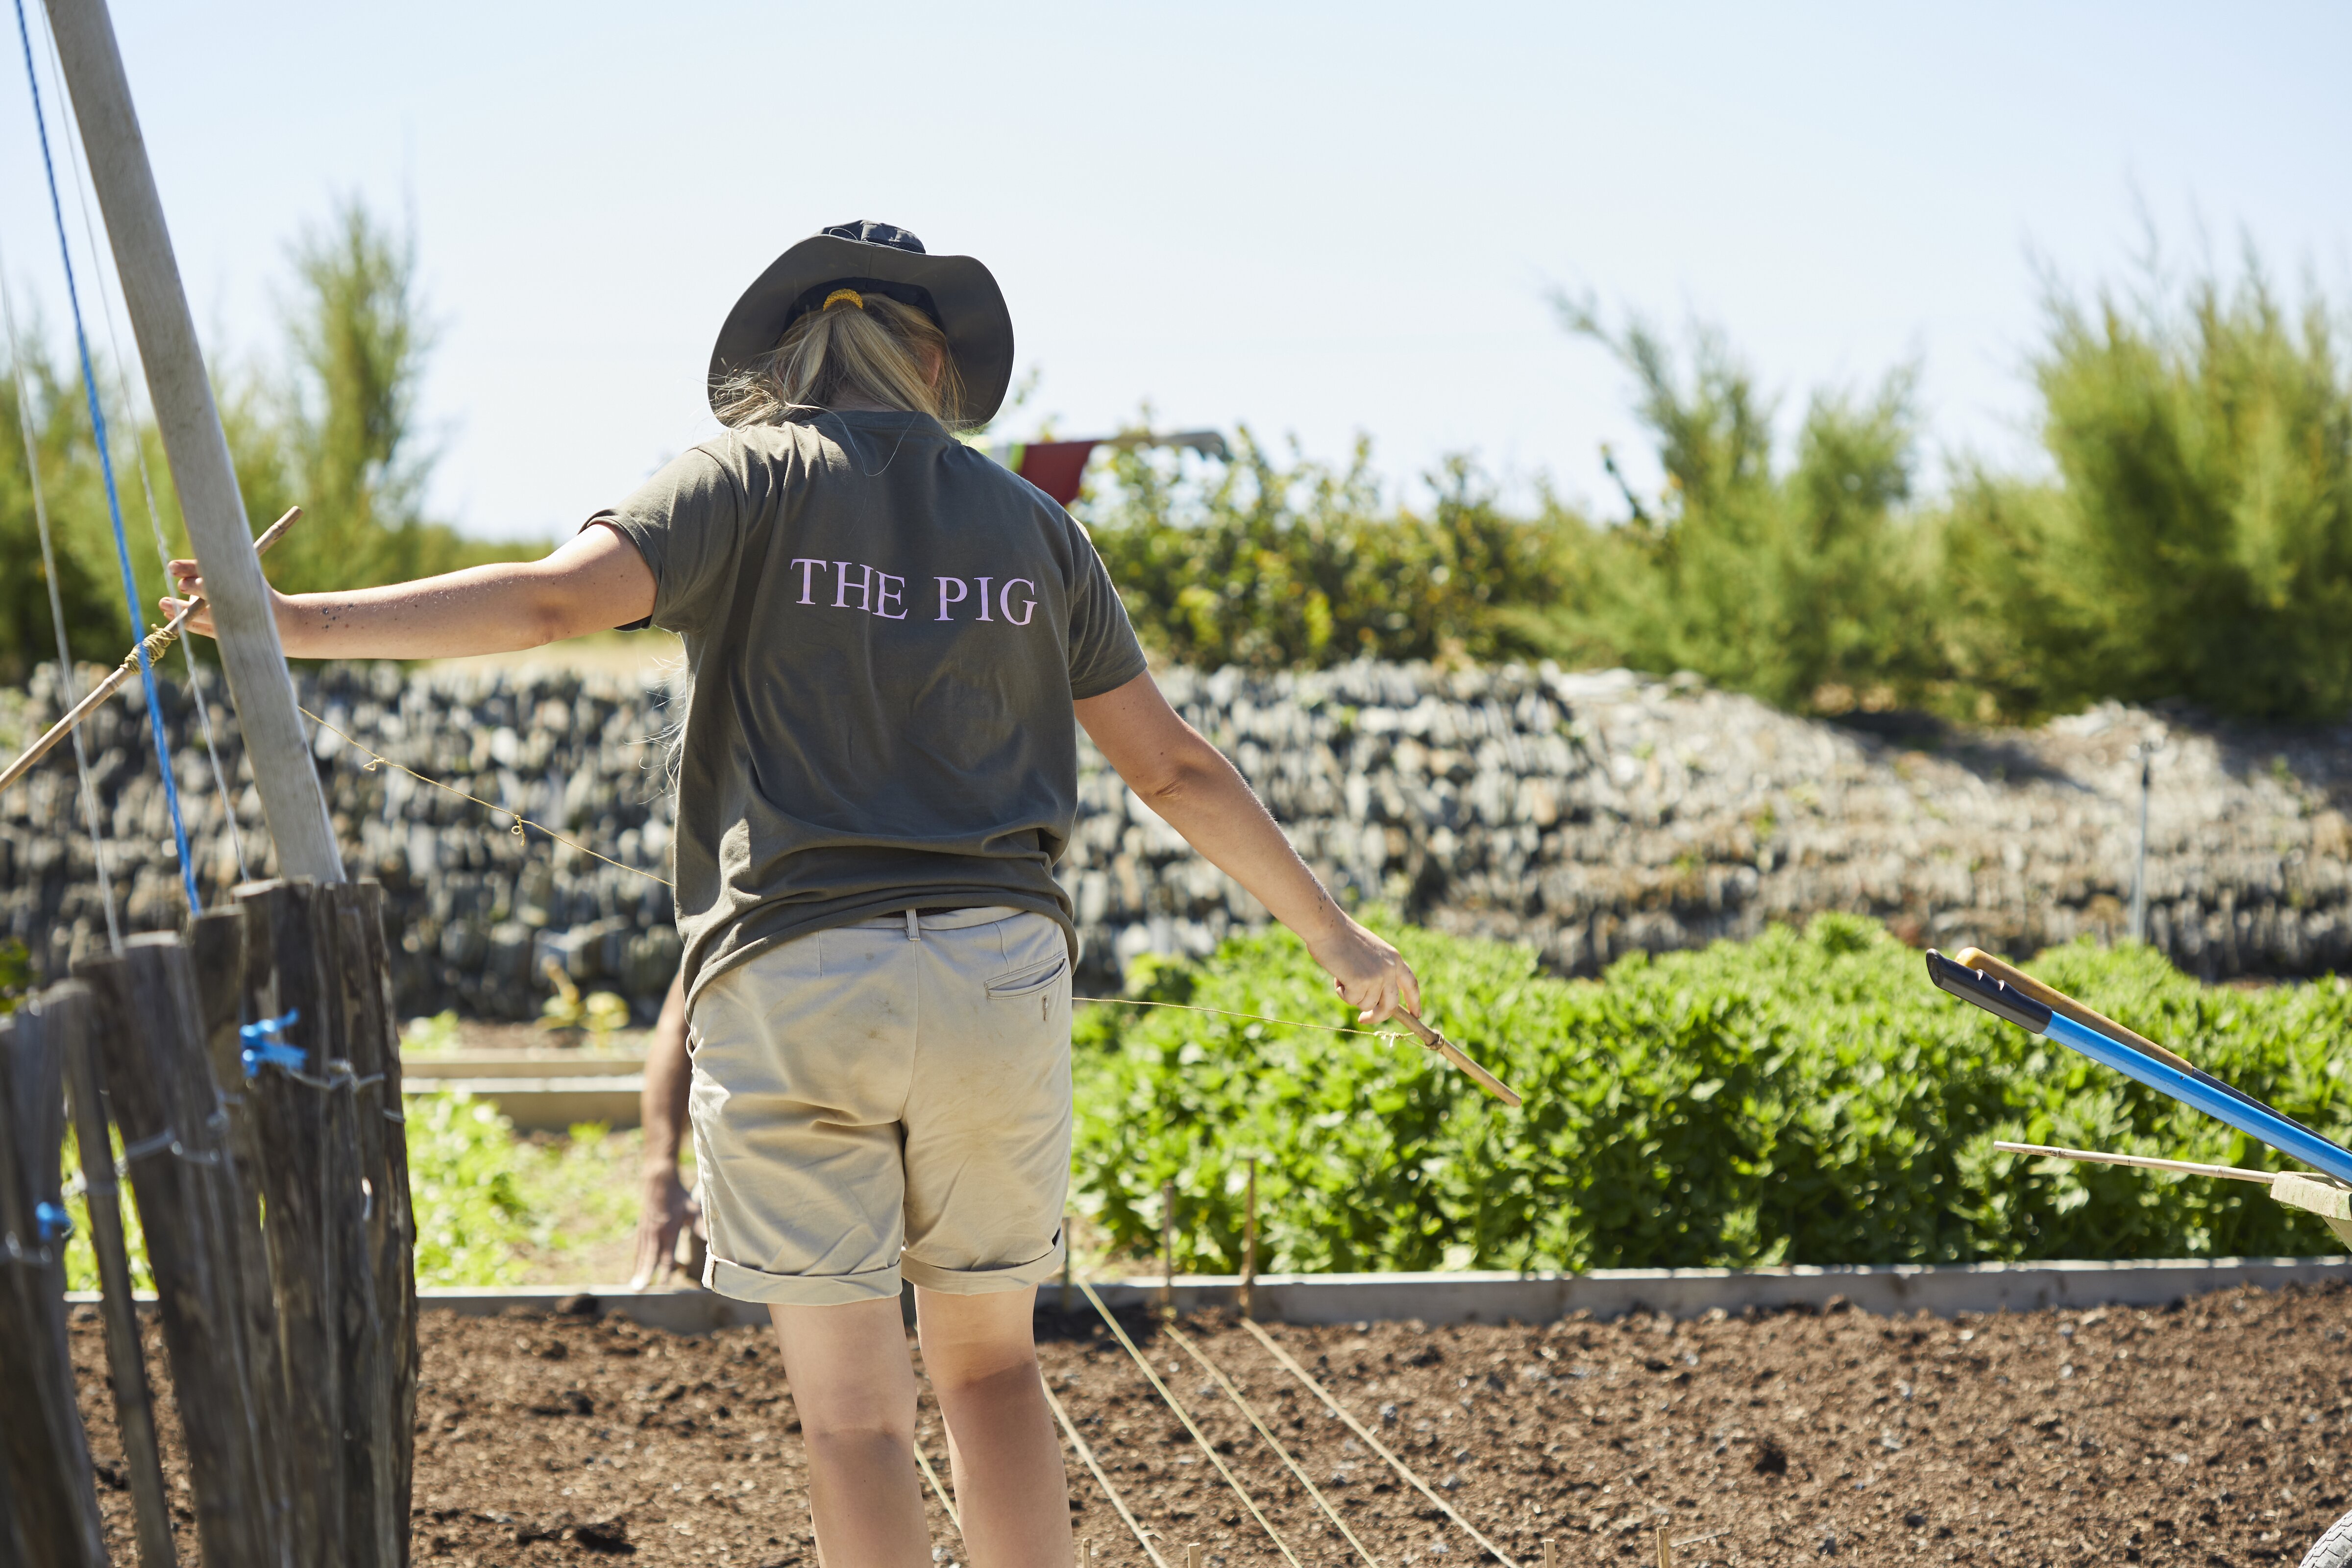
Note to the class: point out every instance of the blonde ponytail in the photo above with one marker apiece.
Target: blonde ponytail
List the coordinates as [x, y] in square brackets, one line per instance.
[864, 346]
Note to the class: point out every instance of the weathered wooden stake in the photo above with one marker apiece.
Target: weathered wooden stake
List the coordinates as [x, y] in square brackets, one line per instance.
[334, 1188]
[149, 1030]
[1666, 1549]
[374, 1032]
[69, 1006]
[51, 1508]
[217, 945]
[1551, 1552]
[1249, 1238]
[1167, 1250]
[1191, 1557]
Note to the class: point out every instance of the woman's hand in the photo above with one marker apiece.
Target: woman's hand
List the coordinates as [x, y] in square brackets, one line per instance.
[191, 585]
[1373, 977]
[669, 1211]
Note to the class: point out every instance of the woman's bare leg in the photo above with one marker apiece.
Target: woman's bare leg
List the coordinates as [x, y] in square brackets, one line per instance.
[982, 1361]
[855, 1389]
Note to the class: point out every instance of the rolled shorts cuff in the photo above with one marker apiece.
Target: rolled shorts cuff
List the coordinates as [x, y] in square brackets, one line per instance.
[738, 1283]
[983, 1282]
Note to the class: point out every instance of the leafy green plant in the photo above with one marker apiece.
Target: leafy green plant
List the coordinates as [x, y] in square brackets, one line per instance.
[598, 1014]
[1803, 1098]
[431, 1035]
[465, 1185]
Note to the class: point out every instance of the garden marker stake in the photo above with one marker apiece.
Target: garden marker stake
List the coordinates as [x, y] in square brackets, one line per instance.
[2138, 1161]
[153, 645]
[2199, 1091]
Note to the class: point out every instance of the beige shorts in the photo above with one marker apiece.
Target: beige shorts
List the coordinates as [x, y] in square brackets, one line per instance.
[885, 1098]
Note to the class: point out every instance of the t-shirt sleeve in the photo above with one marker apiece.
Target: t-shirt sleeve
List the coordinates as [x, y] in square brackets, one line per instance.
[1103, 654]
[688, 522]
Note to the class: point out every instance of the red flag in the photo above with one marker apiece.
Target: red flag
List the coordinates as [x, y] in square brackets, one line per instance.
[1055, 466]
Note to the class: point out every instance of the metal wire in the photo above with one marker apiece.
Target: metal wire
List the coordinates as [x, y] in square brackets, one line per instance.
[106, 472]
[1377, 1446]
[1118, 1504]
[1173, 1332]
[76, 158]
[69, 685]
[1181, 1415]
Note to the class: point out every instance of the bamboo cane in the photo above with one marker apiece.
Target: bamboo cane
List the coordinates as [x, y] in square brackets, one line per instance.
[2140, 1161]
[155, 642]
[2050, 996]
[1454, 1053]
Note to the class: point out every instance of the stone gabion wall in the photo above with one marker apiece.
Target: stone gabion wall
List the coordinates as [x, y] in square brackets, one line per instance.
[1588, 815]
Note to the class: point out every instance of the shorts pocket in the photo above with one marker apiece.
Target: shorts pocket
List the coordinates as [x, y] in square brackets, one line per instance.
[1029, 980]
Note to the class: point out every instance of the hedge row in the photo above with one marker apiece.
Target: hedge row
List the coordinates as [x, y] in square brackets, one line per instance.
[1804, 1098]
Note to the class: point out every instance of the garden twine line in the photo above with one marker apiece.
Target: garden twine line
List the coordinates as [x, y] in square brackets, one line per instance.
[1185, 1416]
[378, 760]
[1173, 1332]
[1378, 1447]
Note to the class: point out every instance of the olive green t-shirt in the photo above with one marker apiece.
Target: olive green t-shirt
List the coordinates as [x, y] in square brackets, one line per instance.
[886, 630]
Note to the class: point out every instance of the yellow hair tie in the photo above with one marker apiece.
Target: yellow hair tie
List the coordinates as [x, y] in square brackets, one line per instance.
[839, 295]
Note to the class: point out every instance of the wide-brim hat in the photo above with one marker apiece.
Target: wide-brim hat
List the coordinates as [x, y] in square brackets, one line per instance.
[956, 291]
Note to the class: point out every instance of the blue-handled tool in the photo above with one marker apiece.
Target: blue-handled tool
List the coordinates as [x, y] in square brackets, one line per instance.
[2198, 1089]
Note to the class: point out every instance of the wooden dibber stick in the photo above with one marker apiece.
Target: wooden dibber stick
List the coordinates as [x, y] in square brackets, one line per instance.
[155, 642]
[1454, 1053]
[2050, 996]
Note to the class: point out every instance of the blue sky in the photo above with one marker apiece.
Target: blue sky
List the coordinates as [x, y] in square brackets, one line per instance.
[1316, 220]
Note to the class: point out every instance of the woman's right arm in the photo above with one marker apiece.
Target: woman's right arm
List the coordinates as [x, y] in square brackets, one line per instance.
[1197, 791]
[592, 583]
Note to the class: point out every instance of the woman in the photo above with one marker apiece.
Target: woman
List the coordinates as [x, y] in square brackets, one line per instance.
[888, 634]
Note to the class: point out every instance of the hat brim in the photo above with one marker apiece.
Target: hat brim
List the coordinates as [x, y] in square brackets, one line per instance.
[964, 298]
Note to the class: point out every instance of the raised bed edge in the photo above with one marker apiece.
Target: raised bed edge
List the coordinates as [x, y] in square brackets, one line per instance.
[1493, 1298]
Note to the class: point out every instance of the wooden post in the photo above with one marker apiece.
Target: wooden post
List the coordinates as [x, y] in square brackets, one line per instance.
[1666, 1549]
[334, 1189]
[1249, 1238]
[44, 1472]
[1192, 1556]
[182, 394]
[217, 945]
[149, 1030]
[69, 1007]
[372, 1034]
[1167, 1250]
[1551, 1552]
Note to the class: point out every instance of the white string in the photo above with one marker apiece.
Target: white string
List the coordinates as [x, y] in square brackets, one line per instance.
[72, 691]
[76, 159]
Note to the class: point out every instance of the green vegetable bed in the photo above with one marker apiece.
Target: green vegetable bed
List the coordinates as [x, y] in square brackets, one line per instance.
[1805, 1097]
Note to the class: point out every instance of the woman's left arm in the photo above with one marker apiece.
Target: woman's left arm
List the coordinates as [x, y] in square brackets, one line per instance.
[592, 583]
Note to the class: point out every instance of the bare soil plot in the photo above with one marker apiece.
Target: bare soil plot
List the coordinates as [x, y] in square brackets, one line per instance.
[2205, 1434]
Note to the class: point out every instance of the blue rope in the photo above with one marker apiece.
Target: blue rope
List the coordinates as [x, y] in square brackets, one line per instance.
[113, 500]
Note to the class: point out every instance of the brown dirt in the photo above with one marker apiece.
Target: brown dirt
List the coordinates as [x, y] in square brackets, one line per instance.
[2199, 1435]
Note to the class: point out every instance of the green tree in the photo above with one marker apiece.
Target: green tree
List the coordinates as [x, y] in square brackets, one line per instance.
[1800, 585]
[359, 338]
[1270, 565]
[2199, 541]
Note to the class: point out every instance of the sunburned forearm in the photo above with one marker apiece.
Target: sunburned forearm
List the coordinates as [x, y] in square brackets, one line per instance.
[594, 580]
[483, 609]
[1204, 798]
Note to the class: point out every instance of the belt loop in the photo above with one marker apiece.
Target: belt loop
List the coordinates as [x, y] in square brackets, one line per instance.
[914, 927]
